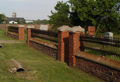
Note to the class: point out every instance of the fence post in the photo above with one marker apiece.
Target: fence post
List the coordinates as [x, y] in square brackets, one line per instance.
[74, 43]
[6, 28]
[21, 32]
[63, 36]
[29, 33]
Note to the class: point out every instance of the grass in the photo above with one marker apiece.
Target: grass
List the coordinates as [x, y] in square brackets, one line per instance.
[42, 68]
[38, 66]
[2, 35]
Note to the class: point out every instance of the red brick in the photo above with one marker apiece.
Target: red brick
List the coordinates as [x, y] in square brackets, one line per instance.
[28, 35]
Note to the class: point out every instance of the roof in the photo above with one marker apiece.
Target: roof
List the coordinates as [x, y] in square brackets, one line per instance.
[15, 19]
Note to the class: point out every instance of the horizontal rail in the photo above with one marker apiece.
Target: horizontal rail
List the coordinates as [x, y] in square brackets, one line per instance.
[45, 37]
[103, 51]
[99, 39]
[103, 43]
[49, 33]
[13, 30]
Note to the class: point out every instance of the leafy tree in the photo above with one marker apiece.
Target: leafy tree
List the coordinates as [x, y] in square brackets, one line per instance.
[100, 13]
[2, 18]
[61, 15]
[42, 21]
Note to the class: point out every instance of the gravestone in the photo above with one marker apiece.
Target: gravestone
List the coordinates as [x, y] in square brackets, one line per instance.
[108, 35]
[91, 30]
[44, 27]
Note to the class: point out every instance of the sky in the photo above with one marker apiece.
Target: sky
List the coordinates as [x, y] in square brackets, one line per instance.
[29, 9]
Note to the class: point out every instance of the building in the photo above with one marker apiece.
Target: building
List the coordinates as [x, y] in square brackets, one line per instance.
[14, 14]
[29, 21]
[19, 20]
[15, 20]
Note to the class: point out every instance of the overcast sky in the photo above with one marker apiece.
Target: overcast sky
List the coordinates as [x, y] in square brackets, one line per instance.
[29, 9]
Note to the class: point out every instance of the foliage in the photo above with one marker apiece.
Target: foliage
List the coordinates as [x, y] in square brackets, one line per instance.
[61, 15]
[100, 13]
[2, 18]
[42, 21]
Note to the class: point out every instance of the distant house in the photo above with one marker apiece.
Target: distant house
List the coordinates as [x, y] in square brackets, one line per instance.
[13, 22]
[29, 21]
[21, 20]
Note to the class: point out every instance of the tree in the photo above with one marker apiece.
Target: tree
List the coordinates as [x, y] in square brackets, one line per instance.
[61, 15]
[2, 18]
[100, 13]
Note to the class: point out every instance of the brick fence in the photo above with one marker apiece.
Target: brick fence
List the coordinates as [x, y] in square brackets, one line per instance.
[48, 48]
[15, 32]
[70, 49]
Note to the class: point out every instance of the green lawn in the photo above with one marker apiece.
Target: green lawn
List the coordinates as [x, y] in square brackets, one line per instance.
[38, 66]
[3, 37]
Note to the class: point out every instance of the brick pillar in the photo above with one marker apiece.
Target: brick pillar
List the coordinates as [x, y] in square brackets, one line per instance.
[6, 28]
[62, 46]
[74, 43]
[20, 33]
[63, 42]
[28, 35]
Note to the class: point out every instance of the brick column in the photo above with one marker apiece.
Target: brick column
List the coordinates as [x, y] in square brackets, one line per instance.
[6, 28]
[63, 42]
[20, 33]
[74, 43]
[28, 35]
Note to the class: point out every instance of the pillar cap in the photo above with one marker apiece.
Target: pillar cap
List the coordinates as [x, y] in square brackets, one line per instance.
[21, 25]
[63, 28]
[30, 26]
[76, 29]
[7, 24]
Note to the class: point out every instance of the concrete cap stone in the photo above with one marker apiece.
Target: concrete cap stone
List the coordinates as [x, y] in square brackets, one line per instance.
[21, 25]
[63, 28]
[7, 25]
[76, 29]
[30, 26]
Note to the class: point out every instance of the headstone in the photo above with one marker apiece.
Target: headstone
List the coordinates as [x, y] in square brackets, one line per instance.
[108, 35]
[91, 30]
[44, 27]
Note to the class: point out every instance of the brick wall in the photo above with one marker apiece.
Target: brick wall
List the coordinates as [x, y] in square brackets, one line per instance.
[68, 46]
[19, 35]
[50, 51]
[12, 35]
[99, 70]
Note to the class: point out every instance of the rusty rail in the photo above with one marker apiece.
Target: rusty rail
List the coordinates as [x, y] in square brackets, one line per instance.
[47, 35]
